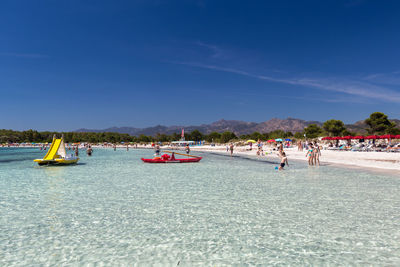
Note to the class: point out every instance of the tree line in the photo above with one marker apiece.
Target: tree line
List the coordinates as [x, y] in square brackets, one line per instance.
[377, 123]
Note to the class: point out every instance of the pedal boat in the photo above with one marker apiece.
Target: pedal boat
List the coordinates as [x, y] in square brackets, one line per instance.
[161, 160]
[56, 155]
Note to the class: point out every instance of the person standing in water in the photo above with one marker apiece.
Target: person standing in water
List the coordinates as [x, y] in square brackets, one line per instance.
[76, 151]
[317, 153]
[310, 154]
[187, 149]
[231, 149]
[115, 147]
[89, 150]
[284, 161]
[157, 151]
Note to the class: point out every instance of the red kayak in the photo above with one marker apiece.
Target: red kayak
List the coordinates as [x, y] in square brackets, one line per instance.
[161, 160]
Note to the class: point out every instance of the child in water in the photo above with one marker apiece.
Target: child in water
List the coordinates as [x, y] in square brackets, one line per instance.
[283, 160]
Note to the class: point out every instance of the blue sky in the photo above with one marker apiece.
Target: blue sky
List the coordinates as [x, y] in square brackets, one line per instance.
[65, 65]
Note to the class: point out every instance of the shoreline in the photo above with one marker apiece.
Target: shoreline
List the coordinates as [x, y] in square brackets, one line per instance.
[377, 162]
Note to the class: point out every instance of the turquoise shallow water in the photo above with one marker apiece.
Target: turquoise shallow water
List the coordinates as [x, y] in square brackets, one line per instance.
[114, 210]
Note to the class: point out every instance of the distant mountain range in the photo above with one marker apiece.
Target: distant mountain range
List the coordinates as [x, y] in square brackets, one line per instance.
[238, 127]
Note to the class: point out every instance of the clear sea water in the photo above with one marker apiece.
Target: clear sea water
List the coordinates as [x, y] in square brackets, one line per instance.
[114, 210]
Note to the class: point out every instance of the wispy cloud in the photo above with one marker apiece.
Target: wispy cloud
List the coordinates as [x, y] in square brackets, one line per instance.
[350, 87]
[216, 52]
[22, 55]
[390, 78]
[330, 99]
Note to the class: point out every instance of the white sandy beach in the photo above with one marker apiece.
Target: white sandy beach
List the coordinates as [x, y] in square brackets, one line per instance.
[382, 161]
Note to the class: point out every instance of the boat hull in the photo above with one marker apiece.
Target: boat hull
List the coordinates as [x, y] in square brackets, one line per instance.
[188, 160]
[42, 162]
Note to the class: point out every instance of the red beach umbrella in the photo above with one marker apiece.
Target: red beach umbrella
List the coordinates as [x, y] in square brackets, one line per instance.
[348, 137]
[359, 137]
[271, 140]
[397, 136]
[326, 138]
[371, 137]
[387, 136]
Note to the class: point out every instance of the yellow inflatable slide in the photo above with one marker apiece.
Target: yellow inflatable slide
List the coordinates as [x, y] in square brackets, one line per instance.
[56, 155]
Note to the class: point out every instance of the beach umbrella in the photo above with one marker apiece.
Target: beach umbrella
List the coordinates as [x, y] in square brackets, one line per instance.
[287, 139]
[278, 140]
[387, 136]
[359, 137]
[271, 140]
[251, 141]
[371, 137]
[348, 137]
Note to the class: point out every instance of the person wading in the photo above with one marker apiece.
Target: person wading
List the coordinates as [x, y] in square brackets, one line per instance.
[231, 149]
[187, 149]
